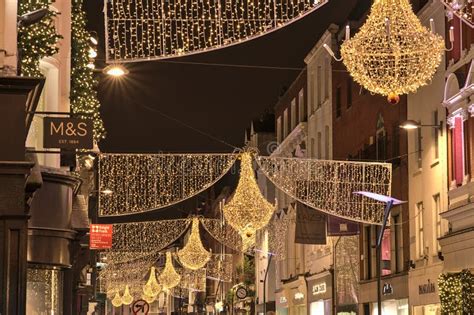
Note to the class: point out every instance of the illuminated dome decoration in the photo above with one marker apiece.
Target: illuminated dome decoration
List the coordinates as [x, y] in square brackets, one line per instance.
[194, 256]
[248, 211]
[117, 300]
[393, 53]
[154, 29]
[127, 298]
[169, 278]
[152, 287]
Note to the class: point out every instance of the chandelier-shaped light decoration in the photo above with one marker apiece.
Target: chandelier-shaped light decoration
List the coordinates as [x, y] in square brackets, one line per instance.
[149, 299]
[127, 298]
[117, 300]
[393, 53]
[194, 256]
[248, 211]
[152, 287]
[154, 29]
[169, 278]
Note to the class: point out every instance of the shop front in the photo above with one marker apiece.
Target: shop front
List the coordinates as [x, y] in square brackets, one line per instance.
[297, 295]
[281, 297]
[320, 294]
[394, 296]
[424, 294]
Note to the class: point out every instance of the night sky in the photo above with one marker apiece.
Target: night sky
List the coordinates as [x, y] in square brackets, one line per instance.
[217, 100]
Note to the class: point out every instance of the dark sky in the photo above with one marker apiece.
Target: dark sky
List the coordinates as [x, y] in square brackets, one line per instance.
[217, 100]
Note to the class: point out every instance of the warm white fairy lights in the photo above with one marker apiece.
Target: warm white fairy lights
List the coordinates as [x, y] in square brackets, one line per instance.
[152, 287]
[247, 211]
[461, 8]
[127, 298]
[169, 278]
[329, 186]
[156, 29]
[223, 233]
[117, 300]
[145, 182]
[194, 256]
[393, 53]
[147, 236]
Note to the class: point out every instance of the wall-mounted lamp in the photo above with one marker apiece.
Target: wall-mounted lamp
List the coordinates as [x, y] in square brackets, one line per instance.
[412, 124]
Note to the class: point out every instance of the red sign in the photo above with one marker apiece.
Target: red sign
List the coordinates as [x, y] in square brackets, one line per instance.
[100, 236]
[140, 307]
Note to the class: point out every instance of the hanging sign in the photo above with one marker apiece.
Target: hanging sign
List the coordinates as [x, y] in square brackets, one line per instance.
[241, 293]
[310, 225]
[67, 133]
[100, 236]
[140, 307]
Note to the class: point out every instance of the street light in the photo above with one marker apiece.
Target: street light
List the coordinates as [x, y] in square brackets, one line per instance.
[115, 70]
[389, 203]
[412, 124]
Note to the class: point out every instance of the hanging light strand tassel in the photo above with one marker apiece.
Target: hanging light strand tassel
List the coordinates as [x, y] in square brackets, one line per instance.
[194, 256]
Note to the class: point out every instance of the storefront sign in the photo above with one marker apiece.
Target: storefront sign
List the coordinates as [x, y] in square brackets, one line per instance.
[341, 227]
[387, 289]
[100, 236]
[67, 133]
[427, 288]
[283, 299]
[319, 288]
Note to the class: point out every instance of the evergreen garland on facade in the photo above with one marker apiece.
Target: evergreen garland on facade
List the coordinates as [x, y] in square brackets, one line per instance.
[456, 292]
[83, 96]
[38, 40]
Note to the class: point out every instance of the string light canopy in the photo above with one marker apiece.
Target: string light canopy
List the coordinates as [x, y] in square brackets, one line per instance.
[463, 9]
[146, 182]
[169, 278]
[328, 186]
[247, 211]
[154, 29]
[393, 53]
[152, 287]
[194, 256]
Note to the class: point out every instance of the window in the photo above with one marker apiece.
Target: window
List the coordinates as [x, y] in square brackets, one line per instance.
[420, 230]
[319, 85]
[458, 150]
[349, 92]
[368, 252]
[397, 250]
[381, 144]
[293, 114]
[437, 212]
[418, 148]
[313, 148]
[279, 136]
[436, 134]
[285, 123]
[319, 145]
[326, 142]
[301, 106]
[338, 102]
[327, 69]
[386, 252]
[312, 98]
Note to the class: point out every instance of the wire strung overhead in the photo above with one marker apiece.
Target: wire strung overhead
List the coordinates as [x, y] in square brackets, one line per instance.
[154, 29]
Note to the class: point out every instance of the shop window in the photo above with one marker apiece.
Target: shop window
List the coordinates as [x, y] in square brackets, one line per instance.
[420, 230]
[338, 102]
[44, 291]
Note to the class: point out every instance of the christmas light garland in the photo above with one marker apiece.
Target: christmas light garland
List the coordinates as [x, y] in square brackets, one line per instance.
[145, 182]
[456, 292]
[36, 41]
[462, 9]
[83, 96]
[393, 53]
[329, 186]
[154, 29]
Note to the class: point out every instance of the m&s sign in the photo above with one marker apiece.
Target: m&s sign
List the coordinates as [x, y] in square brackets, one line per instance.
[67, 133]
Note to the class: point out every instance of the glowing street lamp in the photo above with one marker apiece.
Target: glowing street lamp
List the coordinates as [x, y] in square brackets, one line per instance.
[412, 124]
[115, 70]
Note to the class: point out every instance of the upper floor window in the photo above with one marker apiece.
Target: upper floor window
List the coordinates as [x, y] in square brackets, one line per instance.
[279, 126]
[436, 135]
[458, 149]
[301, 106]
[293, 114]
[320, 145]
[437, 213]
[313, 148]
[326, 142]
[349, 92]
[420, 233]
[381, 139]
[386, 252]
[327, 69]
[319, 86]
[338, 102]
[285, 123]
[312, 94]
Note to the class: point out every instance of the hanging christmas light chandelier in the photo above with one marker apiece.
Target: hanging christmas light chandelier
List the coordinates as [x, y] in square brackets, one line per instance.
[149, 299]
[117, 300]
[152, 287]
[169, 278]
[393, 53]
[248, 211]
[127, 298]
[194, 256]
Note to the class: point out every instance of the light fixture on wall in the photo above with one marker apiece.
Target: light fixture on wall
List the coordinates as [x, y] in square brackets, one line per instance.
[412, 124]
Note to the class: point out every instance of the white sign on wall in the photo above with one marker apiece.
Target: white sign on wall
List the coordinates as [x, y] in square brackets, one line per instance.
[319, 288]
